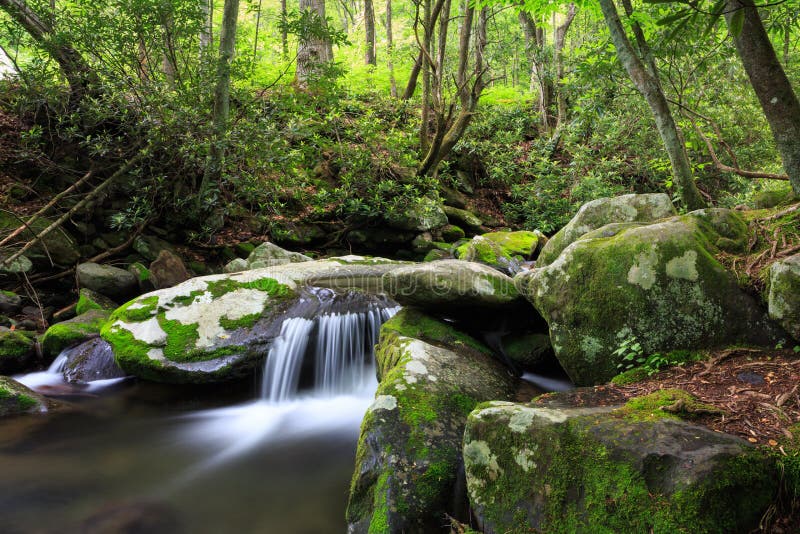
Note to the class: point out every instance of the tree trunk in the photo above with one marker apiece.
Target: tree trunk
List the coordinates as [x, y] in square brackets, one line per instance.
[369, 28]
[649, 87]
[390, 50]
[312, 53]
[558, 48]
[221, 112]
[207, 9]
[284, 33]
[541, 81]
[79, 75]
[772, 87]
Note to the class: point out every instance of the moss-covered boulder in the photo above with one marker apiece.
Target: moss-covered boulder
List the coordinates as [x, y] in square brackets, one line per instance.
[463, 218]
[219, 327]
[539, 468]
[522, 243]
[17, 399]
[784, 294]
[265, 255]
[73, 331]
[107, 280]
[17, 349]
[10, 302]
[59, 245]
[92, 300]
[409, 451]
[603, 211]
[658, 283]
[449, 233]
[482, 250]
[530, 351]
[449, 284]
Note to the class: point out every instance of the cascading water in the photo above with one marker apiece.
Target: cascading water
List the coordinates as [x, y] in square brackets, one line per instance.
[340, 332]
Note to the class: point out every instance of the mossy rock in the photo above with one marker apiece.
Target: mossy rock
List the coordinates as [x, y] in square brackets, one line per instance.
[436, 254]
[108, 280]
[92, 300]
[451, 233]
[603, 211]
[522, 243]
[533, 468]
[483, 250]
[423, 214]
[529, 351]
[408, 455]
[463, 218]
[73, 331]
[59, 245]
[17, 349]
[784, 294]
[219, 327]
[265, 255]
[10, 302]
[659, 283]
[149, 246]
[450, 284]
[773, 197]
[17, 399]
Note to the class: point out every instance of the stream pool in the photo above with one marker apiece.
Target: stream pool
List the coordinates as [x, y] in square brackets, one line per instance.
[145, 458]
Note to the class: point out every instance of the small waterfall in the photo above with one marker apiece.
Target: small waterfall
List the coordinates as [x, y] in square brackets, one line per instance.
[59, 363]
[337, 333]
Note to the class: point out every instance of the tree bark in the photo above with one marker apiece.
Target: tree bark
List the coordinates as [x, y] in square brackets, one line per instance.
[221, 111]
[284, 33]
[207, 9]
[773, 89]
[390, 50]
[541, 81]
[558, 56]
[369, 28]
[313, 53]
[650, 88]
[79, 75]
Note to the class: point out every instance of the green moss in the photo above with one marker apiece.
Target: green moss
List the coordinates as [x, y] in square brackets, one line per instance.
[631, 376]
[651, 407]
[414, 324]
[380, 513]
[522, 243]
[144, 310]
[246, 321]
[141, 272]
[67, 333]
[85, 304]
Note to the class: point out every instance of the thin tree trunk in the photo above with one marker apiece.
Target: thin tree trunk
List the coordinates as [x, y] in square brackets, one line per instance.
[558, 55]
[772, 87]
[411, 86]
[369, 28]
[255, 39]
[79, 75]
[540, 82]
[649, 87]
[284, 33]
[221, 112]
[314, 53]
[207, 9]
[390, 50]
[426, 75]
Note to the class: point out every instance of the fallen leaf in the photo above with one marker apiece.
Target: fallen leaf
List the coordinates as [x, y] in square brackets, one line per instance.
[773, 443]
[752, 440]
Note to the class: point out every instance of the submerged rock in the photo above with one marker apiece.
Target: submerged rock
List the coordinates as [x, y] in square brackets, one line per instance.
[603, 211]
[450, 284]
[408, 456]
[657, 283]
[784, 294]
[219, 327]
[542, 468]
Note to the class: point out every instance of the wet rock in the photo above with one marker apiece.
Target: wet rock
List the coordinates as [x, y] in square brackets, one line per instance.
[110, 281]
[658, 283]
[91, 360]
[73, 331]
[534, 467]
[450, 284]
[784, 294]
[16, 399]
[408, 455]
[603, 211]
[168, 270]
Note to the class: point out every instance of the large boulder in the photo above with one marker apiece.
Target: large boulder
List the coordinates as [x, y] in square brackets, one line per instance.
[17, 399]
[540, 468]
[784, 294]
[450, 284]
[220, 327]
[424, 214]
[603, 211]
[17, 349]
[523, 243]
[407, 464]
[658, 283]
[107, 280]
[73, 331]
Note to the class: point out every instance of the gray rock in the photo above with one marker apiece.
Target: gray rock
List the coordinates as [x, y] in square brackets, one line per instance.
[784, 294]
[110, 281]
[464, 219]
[265, 255]
[168, 270]
[425, 214]
[17, 399]
[603, 211]
[10, 303]
[91, 360]
[150, 246]
[408, 455]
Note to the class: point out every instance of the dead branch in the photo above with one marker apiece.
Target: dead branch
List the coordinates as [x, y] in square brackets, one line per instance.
[88, 198]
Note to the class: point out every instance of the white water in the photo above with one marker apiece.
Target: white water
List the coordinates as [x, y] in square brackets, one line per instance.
[52, 377]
